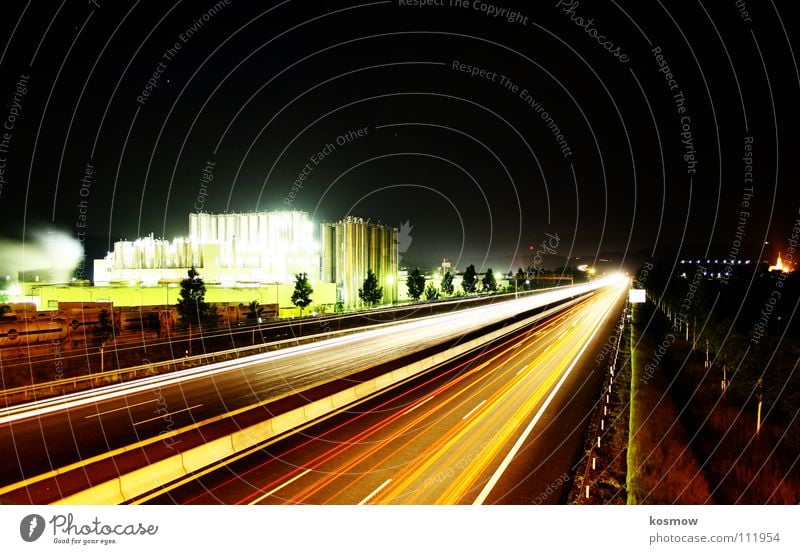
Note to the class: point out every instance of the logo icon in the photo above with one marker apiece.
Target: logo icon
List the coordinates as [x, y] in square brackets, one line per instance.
[404, 237]
[31, 527]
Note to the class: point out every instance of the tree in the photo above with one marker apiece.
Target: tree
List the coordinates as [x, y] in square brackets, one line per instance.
[192, 308]
[416, 284]
[447, 284]
[301, 297]
[102, 333]
[431, 292]
[519, 279]
[469, 280]
[489, 282]
[370, 293]
[254, 311]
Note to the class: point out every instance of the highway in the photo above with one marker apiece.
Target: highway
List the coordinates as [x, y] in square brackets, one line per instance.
[43, 436]
[449, 437]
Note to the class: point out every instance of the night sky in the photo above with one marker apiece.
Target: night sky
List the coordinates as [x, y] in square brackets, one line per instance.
[620, 127]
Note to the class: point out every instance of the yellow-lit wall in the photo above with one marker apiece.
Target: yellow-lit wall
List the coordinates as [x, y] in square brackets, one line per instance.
[48, 296]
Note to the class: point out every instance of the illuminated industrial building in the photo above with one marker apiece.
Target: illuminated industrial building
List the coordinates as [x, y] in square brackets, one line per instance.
[228, 249]
[352, 246]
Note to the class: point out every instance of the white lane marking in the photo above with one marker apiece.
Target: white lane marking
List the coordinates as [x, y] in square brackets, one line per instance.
[167, 414]
[373, 493]
[98, 414]
[270, 370]
[415, 406]
[279, 487]
[521, 370]
[517, 445]
[473, 409]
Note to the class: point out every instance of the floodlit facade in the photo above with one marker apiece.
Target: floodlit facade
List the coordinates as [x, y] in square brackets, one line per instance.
[263, 247]
[352, 246]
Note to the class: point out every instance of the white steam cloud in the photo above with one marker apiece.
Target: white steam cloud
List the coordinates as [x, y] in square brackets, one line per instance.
[54, 255]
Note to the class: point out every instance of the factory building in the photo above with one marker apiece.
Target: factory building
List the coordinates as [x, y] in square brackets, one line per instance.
[353, 246]
[227, 249]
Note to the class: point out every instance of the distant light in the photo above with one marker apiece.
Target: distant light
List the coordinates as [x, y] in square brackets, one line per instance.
[637, 296]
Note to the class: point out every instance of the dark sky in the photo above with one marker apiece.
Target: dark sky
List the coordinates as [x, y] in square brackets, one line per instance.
[473, 166]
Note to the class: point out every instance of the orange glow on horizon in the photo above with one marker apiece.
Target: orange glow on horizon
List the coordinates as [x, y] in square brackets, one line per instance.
[779, 266]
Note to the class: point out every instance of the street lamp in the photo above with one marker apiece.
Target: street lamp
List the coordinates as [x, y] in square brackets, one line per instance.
[390, 281]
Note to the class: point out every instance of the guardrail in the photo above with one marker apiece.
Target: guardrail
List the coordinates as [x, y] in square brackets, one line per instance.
[50, 389]
[67, 385]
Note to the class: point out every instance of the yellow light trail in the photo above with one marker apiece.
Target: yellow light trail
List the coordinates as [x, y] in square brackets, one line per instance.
[466, 447]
